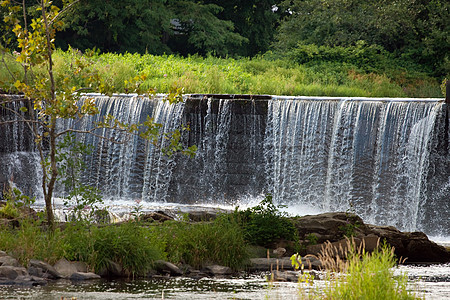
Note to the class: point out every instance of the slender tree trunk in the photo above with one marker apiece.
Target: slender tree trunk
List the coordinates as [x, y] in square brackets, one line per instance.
[52, 125]
[53, 174]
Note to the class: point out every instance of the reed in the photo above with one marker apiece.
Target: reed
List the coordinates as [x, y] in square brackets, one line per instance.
[353, 273]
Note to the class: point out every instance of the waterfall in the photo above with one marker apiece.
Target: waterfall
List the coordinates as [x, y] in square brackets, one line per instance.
[370, 157]
[136, 169]
[388, 160]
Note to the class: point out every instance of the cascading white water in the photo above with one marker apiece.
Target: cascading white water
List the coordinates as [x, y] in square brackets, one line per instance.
[135, 169]
[369, 156]
[382, 158]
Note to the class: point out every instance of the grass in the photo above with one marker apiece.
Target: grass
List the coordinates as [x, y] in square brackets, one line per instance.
[133, 245]
[197, 244]
[258, 75]
[362, 275]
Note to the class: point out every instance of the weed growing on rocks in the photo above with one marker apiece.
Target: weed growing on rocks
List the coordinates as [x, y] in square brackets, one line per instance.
[265, 224]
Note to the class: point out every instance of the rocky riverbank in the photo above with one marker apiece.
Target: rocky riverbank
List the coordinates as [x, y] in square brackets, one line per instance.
[315, 234]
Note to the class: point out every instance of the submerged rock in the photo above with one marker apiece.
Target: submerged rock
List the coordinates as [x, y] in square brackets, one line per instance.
[216, 270]
[83, 276]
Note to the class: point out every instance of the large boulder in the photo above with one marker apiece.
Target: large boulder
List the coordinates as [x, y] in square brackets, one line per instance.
[167, 268]
[9, 261]
[42, 269]
[67, 268]
[410, 247]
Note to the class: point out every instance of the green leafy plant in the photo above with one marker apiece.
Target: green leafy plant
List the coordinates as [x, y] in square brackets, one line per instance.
[312, 239]
[265, 224]
[134, 247]
[83, 200]
[15, 201]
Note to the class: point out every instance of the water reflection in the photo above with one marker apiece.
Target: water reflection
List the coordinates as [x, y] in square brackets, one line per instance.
[433, 282]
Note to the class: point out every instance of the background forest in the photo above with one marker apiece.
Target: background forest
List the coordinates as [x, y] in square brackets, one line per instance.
[404, 41]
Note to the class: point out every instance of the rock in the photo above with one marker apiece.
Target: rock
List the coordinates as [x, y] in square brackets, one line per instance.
[197, 274]
[165, 267]
[200, 216]
[9, 261]
[47, 270]
[84, 276]
[11, 272]
[216, 270]
[112, 269]
[290, 276]
[159, 216]
[3, 253]
[264, 264]
[279, 252]
[420, 249]
[81, 266]
[28, 281]
[415, 246]
[65, 268]
[328, 226]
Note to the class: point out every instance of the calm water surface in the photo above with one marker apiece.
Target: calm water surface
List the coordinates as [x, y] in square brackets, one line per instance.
[433, 282]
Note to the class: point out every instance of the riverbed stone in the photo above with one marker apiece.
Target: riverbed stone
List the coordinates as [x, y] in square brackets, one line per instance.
[12, 272]
[216, 270]
[46, 270]
[112, 269]
[65, 267]
[83, 276]
[9, 261]
[165, 267]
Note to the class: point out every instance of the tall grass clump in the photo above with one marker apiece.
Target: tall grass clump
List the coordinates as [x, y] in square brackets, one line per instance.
[219, 242]
[363, 275]
[31, 241]
[132, 246]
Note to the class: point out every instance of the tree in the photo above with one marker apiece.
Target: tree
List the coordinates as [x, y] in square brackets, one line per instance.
[255, 20]
[199, 30]
[153, 26]
[409, 29]
[50, 100]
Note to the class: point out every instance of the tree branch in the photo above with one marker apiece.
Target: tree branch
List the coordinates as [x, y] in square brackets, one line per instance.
[112, 140]
[62, 11]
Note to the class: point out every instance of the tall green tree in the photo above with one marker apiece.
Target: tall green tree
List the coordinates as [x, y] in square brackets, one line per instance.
[256, 20]
[154, 26]
[415, 29]
[50, 99]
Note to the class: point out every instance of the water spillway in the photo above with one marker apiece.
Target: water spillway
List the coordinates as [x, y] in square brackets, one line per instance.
[386, 159]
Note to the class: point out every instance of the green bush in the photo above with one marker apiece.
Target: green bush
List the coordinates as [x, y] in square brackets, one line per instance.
[265, 224]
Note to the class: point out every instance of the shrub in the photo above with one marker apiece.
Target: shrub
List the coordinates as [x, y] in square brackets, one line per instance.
[265, 224]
